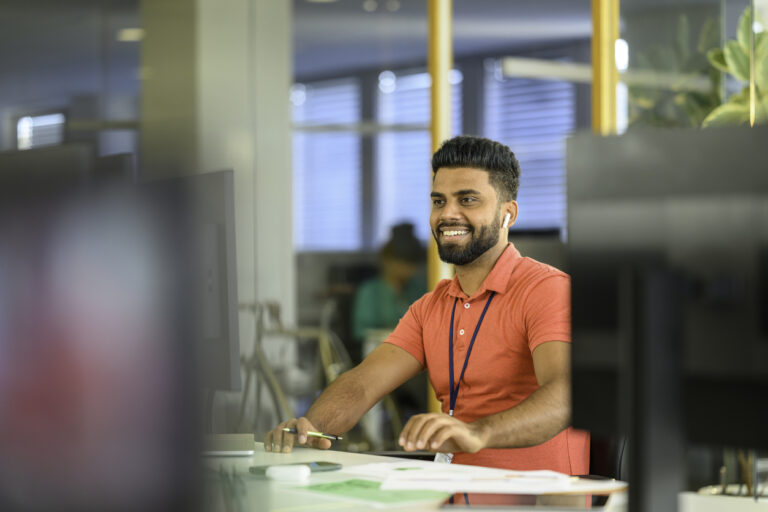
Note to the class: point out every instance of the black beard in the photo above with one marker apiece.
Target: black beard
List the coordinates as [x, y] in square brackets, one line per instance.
[487, 237]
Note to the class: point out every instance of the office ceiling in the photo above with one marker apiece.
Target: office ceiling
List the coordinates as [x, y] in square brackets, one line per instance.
[68, 47]
[335, 36]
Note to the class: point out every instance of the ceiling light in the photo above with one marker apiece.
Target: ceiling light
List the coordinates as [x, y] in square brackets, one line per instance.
[129, 35]
[370, 5]
[321, 1]
[393, 5]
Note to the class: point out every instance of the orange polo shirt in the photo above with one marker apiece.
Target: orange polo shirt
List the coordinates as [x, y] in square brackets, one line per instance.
[531, 307]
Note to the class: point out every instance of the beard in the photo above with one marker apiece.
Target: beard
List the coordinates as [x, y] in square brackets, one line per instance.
[479, 243]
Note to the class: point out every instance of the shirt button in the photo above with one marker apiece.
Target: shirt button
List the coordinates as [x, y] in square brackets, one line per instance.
[466, 306]
[461, 332]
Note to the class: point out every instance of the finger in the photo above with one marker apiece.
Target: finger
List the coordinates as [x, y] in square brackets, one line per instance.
[288, 438]
[268, 441]
[405, 434]
[319, 443]
[414, 427]
[303, 425]
[440, 436]
[277, 436]
[428, 429]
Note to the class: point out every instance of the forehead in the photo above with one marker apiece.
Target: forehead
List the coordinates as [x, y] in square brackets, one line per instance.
[449, 180]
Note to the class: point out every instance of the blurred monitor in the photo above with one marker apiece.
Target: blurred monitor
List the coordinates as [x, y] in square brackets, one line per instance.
[61, 164]
[667, 242]
[97, 379]
[213, 199]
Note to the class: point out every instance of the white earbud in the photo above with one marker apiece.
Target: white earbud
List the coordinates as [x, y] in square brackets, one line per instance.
[506, 220]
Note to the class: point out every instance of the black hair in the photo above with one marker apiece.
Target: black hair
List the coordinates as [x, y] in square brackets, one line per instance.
[485, 154]
[403, 245]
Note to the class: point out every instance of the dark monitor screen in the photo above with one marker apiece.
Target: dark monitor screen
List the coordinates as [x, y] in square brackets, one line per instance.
[668, 236]
[213, 263]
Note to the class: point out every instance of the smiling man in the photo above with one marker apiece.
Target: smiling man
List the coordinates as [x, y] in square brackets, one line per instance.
[495, 339]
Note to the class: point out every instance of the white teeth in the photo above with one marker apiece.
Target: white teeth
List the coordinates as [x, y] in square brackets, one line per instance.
[454, 233]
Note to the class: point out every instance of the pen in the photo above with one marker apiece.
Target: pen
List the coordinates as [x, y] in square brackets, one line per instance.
[315, 434]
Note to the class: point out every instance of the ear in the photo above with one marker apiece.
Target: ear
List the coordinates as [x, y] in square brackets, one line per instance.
[510, 212]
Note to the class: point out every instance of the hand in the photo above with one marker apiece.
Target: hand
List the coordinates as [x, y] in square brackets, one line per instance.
[278, 441]
[439, 432]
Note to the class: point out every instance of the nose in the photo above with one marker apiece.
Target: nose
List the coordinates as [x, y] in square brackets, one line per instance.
[450, 213]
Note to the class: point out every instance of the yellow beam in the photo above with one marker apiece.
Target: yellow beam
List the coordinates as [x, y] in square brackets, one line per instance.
[605, 76]
[439, 63]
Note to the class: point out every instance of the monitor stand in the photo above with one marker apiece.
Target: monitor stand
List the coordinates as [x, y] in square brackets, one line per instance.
[228, 445]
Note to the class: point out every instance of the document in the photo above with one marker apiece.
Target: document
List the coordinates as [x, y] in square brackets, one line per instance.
[422, 475]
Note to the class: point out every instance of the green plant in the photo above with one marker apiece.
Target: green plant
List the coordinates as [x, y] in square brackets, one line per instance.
[676, 103]
[734, 60]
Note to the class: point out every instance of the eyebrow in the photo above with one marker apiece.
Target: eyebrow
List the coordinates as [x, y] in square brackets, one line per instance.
[463, 192]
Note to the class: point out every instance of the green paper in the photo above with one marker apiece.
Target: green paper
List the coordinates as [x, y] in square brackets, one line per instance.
[368, 490]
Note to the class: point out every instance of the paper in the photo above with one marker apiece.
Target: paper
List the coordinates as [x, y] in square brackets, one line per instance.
[510, 484]
[370, 491]
[452, 478]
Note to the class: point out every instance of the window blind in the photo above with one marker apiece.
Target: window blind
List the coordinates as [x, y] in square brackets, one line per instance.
[533, 117]
[326, 167]
[40, 131]
[403, 172]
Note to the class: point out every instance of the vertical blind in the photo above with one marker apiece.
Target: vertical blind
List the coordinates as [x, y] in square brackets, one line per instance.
[403, 172]
[326, 165]
[533, 117]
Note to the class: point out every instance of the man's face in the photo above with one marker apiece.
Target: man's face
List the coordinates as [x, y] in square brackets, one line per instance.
[465, 217]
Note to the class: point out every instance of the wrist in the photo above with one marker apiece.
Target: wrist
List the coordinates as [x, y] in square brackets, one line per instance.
[482, 431]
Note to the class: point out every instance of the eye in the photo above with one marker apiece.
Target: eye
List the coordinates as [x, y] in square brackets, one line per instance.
[468, 200]
[437, 202]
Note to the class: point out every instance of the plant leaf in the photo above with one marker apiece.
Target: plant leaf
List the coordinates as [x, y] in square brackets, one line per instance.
[762, 110]
[740, 98]
[737, 60]
[708, 37]
[745, 27]
[761, 64]
[727, 115]
[716, 57]
[682, 36]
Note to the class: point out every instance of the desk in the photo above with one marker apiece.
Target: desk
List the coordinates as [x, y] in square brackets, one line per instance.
[267, 495]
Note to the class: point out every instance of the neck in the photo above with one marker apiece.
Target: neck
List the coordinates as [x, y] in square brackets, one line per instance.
[472, 275]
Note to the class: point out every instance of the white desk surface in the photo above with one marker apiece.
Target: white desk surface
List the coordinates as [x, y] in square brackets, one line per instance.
[259, 494]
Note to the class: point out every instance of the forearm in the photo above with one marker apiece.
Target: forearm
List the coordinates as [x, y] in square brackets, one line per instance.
[341, 405]
[538, 418]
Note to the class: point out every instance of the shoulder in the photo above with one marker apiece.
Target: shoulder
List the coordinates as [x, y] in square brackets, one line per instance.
[532, 276]
[533, 271]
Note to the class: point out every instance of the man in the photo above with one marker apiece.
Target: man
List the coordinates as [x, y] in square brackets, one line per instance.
[508, 405]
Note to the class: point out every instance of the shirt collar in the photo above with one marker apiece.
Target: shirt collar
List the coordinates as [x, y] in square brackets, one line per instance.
[498, 278]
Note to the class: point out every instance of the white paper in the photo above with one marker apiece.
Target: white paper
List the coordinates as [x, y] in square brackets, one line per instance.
[423, 475]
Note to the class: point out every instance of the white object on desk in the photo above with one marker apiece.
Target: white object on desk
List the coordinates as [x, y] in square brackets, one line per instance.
[290, 473]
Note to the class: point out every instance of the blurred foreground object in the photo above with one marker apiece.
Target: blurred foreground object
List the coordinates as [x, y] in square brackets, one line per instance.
[97, 384]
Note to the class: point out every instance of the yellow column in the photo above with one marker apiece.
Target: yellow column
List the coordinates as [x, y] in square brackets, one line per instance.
[605, 76]
[439, 62]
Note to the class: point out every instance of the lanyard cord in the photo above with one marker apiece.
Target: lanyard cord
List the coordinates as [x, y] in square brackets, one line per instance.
[454, 391]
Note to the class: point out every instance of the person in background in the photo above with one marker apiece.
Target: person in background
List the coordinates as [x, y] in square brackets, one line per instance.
[382, 301]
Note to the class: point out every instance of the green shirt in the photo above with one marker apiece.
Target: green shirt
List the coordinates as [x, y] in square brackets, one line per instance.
[379, 306]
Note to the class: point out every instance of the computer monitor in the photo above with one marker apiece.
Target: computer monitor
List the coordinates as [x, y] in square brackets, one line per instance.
[210, 198]
[667, 242]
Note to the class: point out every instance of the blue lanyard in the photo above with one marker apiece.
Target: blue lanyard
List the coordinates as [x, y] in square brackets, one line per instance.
[454, 391]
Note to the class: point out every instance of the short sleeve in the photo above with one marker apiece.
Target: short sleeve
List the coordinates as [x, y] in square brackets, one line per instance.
[547, 310]
[408, 334]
